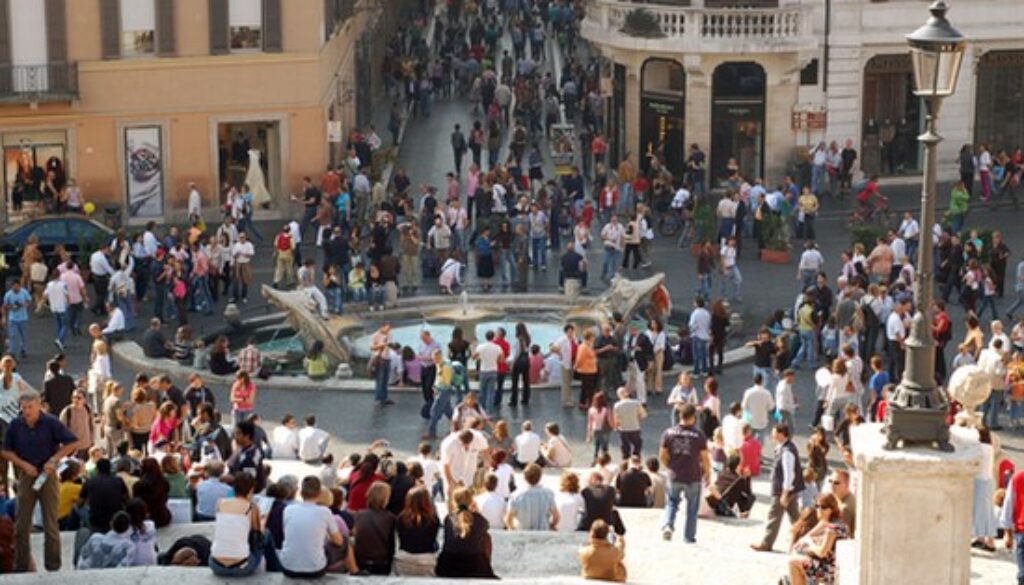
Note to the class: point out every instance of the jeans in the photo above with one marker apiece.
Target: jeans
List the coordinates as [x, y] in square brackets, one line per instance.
[75, 317]
[488, 387]
[204, 298]
[377, 295]
[160, 301]
[631, 443]
[610, 266]
[691, 491]
[244, 570]
[334, 299]
[539, 251]
[625, 198]
[16, 336]
[817, 179]
[1017, 303]
[62, 326]
[704, 285]
[442, 406]
[601, 441]
[988, 301]
[732, 277]
[990, 409]
[766, 376]
[700, 356]
[380, 380]
[806, 351]
[1018, 553]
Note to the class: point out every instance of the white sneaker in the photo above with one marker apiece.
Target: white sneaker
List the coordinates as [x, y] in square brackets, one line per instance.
[666, 533]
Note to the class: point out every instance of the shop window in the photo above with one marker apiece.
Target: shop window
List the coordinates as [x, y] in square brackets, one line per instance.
[138, 27]
[245, 24]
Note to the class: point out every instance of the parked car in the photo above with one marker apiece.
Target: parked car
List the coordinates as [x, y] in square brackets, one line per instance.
[78, 234]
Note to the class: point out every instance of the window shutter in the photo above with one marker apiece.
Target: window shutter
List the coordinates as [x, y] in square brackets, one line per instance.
[272, 41]
[219, 27]
[165, 31]
[56, 31]
[110, 28]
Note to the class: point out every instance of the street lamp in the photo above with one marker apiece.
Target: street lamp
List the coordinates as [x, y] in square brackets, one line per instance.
[917, 411]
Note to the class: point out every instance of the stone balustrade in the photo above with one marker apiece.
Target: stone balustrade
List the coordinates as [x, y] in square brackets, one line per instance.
[700, 29]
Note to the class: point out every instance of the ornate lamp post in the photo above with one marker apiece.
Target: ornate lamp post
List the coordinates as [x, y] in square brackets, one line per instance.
[917, 411]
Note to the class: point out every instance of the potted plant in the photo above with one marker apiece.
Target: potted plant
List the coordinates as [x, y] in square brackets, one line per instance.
[776, 239]
[705, 226]
[642, 23]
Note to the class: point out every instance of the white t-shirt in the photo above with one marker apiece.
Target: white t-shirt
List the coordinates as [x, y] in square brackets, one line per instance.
[490, 354]
[527, 447]
[569, 508]
[492, 507]
[306, 527]
[57, 295]
[894, 330]
[431, 468]
[559, 454]
[462, 460]
[757, 402]
[242, 252]
[504, 472]
[680, 198]
[732, 432]
[285, 443]
[312, 443]
[553, 366]
[565, 351]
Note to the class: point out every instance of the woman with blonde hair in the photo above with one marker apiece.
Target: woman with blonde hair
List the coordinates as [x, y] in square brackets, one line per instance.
[141, 414]
[466, 552]
[374, 532]
[112, 413]
[99, 365]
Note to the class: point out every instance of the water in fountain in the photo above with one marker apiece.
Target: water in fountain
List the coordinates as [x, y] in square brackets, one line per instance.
[464, 302]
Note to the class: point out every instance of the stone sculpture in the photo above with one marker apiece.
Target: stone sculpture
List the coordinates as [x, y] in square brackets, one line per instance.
[970, 386]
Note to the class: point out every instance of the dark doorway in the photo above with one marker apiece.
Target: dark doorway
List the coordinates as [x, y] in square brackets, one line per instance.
[663, 114]
[737, 119]
[999, 118]
[617, 126]
[892, 117]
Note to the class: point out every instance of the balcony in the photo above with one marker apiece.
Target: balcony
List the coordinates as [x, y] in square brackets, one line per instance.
[671, 28]
[54, 82]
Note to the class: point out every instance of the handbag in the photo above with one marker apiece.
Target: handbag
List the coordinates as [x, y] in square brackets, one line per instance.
[828, 422]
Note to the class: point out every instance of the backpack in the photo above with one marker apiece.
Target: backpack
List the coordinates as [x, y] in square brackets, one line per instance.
[458, 375]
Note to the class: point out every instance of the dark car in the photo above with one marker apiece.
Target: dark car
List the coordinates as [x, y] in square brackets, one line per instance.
[78, 234]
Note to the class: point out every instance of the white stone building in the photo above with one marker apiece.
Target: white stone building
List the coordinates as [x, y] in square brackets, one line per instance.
[760, 80]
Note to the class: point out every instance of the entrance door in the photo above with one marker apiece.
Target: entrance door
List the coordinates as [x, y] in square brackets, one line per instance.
[241, 145]
[892, 117]
[662, 114]
[737, 119]
[999, 118]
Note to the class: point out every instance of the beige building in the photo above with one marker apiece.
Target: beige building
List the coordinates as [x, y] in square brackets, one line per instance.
[760, 80]
[134, 99]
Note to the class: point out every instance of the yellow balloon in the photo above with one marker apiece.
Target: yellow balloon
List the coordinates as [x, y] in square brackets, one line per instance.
[89, 208]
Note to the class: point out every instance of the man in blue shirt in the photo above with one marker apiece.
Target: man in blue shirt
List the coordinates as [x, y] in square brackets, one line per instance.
[34, 443]
[16, 303]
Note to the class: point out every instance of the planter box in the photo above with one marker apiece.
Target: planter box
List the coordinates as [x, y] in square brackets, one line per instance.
[775, 256]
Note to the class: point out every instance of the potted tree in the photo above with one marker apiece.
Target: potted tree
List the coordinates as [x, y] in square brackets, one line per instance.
[642, 23]
[776, 239]
[705, 228]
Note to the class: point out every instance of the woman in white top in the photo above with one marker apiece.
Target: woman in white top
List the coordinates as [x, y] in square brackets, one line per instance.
[230, 554]
[569, 503]
[983, 514]
[581, 237]
[653, 375]
[10, 380]
[841, 390]
[99, 366]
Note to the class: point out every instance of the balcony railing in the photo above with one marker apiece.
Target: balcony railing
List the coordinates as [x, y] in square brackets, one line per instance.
[53, 82]
[694, 28]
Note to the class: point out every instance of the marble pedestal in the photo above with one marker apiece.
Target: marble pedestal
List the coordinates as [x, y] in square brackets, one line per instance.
[913, 511]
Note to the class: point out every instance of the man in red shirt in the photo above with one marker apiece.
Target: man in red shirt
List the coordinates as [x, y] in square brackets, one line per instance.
[503, 369]
[284, 258]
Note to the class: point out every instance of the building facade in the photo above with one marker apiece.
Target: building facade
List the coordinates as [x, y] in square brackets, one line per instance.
[759, 81]
[135, 99]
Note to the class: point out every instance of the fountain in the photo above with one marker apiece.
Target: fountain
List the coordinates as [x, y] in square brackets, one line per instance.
[309, 325]
[465, 316]
[624, 297]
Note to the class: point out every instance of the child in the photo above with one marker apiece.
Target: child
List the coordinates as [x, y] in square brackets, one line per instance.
[878, 381]
[536, 364]
[847, 336]
[412, 369]
[883, 403]
[317, 366]
[357, 283]
[718, 456]
[829, 338]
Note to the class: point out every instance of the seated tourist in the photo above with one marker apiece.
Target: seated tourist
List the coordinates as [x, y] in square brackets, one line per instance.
[111, 549]
[282, 494]
[532, 507]
[569, 502]
[316, 363]
[491, 505]
[814, 553]
[400, 482]
[556, 450]
[634, 485]
[601, 559]
[527, 446]
[312, 442]
[154, 489]
[418, 526]
[209, 491]
[187, 551]
[230, 554]
[284, 440]
[143, 533]
[466, 551]
[374, 532]
[104, 494]
[308, 528]
[154, 344]
[731, 490]
[599, 504]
